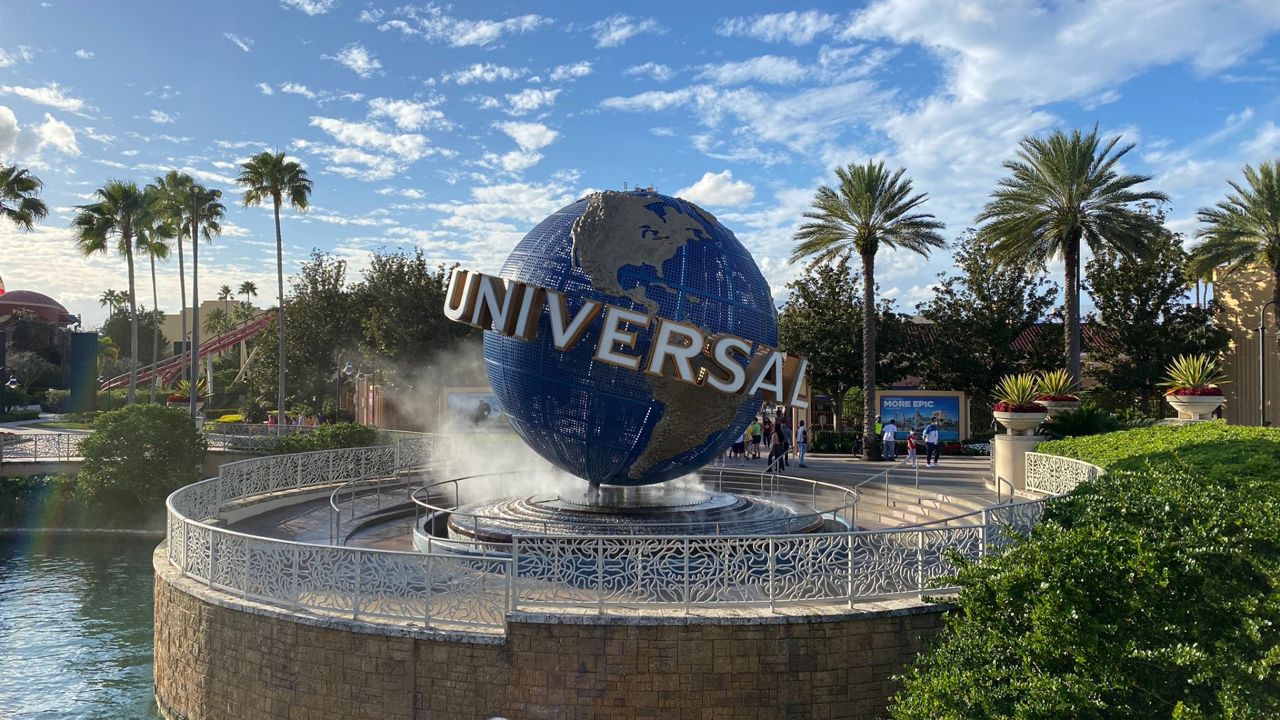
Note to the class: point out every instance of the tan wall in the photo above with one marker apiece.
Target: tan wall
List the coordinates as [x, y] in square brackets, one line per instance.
[1240, 296]
[223, 661]
[172, 327]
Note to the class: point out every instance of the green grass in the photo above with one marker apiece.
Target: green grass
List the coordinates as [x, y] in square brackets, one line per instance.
[1216, 452]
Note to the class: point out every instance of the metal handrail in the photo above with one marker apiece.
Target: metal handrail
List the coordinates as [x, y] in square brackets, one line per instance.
[451, 589]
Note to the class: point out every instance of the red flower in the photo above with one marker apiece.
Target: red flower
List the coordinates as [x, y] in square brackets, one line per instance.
[1009, 407]
[1202, 391]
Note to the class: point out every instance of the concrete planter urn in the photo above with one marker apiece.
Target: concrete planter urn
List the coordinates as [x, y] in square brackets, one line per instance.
[1194, 408]
[1056, 406]
[1020, 423]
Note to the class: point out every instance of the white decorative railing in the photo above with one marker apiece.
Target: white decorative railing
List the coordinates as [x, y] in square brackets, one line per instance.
[426, 589]
[50, 446]
[473, 585]
[1055, 475]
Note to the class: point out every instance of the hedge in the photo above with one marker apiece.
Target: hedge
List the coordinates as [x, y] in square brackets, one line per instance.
[1152, 592]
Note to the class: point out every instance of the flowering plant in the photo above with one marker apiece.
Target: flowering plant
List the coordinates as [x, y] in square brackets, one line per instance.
[1017, 393]
[1056, 386]
[182, 391]
[1193, 375]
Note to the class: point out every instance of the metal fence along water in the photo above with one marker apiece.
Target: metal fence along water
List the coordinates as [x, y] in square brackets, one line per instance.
[471, 586]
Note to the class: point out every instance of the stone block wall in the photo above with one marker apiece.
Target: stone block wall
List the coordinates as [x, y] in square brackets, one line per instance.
[221, 659]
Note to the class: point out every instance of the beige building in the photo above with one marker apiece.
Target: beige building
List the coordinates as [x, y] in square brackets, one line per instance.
[172, 327]
[1240, 296]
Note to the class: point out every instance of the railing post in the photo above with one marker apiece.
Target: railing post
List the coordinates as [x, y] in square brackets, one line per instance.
[600, 574]
[431, 579]
[513, 594]
[772, 555]
[297, 583]
[355, 599]
[982, 535]
[213, 538]
[688, 600]
[849, 548]
[920, 561]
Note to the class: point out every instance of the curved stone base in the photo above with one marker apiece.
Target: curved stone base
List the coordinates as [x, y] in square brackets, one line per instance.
[219, 657]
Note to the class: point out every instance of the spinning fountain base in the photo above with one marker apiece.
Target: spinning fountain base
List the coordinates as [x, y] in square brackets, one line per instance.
[665, 509]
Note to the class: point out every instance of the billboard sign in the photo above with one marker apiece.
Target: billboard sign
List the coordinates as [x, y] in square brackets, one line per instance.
[914, 410]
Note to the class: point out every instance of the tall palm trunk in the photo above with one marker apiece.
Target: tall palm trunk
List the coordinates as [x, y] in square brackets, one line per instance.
[1071, 259]
[155, 331]
[127, 236]
[280, 416]
[868, 354]
[195, 308]
[182, 288]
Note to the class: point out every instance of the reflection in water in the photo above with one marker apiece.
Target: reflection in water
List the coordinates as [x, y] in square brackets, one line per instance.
[75, 626]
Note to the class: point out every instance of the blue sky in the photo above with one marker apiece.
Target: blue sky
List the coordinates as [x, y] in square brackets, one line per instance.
[456, 128]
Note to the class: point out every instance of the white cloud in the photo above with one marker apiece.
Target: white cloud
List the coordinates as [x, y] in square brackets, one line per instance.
[357, 59]
[84, 54]
[571, 72]
[657, 71]
[54, 133]
[495, 217]
[617, 29]
[530, 99]
[51, 95]
[765, 69]
[310, 7]
[651, 101]
[529, 136]
[512, 163]
[264, 88]
[718, 189]
[484, 72]
[293, 88]
[411, 193]
[244, 43]
[797, 28]
[160, 117]
[345, 159]
[20, 53]
[431, 22]
[9, 130]
[406, 146]
[1025, 50]
[407, 114]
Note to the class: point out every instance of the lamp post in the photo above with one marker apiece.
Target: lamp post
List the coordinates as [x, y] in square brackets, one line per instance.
[1262, 363]
[337, 389]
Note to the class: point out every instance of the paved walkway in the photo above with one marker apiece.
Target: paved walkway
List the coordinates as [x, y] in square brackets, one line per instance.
[962, 480]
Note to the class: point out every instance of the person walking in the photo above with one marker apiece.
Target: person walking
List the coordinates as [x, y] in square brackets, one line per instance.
[890, 440]
[756, 438]
[802, 442]
[777, 448]
[784, 430]
[911, 449]
[740, 448]
[931, 452]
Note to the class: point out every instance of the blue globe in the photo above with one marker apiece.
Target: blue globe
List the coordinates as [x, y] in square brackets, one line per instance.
[653, 254]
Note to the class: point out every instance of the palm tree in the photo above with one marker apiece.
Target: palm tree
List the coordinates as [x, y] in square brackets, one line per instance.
[871, 207]
[108, 353]
[121, 212]
[225, 294]
[153, 241]
[1244, 229]
[270, 176]
[113, 300]
[249, 289]
[18, 203]
[1064, 189]
[196, 209]
[218, 322]
[173, 187]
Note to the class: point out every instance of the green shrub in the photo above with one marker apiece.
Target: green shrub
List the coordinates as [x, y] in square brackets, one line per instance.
[17, 415]
[328, 437]
[1153, 592]
[112, 399]
[39, 501]
[55, 400]
[830, 441]
[1088, 419]
[218, 413]
[141, 453]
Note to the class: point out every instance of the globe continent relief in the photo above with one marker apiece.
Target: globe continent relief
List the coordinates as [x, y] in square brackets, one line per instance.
[654, 254]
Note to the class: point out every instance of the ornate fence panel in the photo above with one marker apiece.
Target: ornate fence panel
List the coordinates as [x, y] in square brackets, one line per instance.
[462, 586]
[46, 446]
